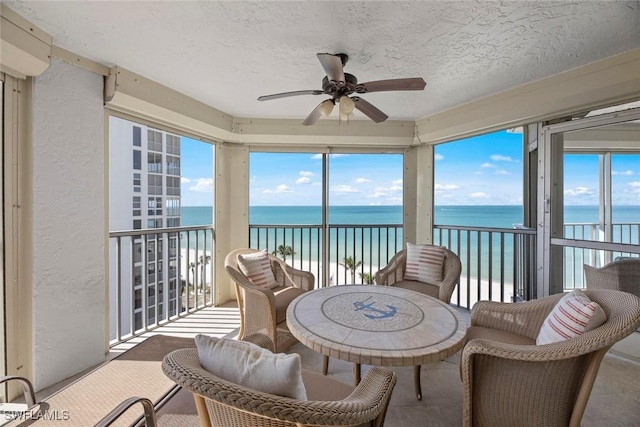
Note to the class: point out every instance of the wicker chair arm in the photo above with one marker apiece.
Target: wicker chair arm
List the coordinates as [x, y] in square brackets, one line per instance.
[289, 276]
[393, 271]
[368, 401]
[523, 318]
[452, 269]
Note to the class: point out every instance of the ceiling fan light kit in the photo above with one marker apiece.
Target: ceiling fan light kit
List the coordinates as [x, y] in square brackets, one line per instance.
[339, 85]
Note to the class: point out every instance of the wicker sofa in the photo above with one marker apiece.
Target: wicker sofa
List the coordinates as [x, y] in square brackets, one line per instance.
[330, 402]
[264, 310]
[509, 381]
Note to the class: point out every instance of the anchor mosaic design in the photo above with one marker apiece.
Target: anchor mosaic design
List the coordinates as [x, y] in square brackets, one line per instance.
[372, 312]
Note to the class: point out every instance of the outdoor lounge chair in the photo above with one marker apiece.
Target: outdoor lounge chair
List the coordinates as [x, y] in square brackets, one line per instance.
[510, 381]
[330, 402]
[264, 310]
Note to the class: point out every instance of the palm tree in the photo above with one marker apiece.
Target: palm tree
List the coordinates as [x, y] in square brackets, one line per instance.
[366, 278]
[192, 267]
[202, 262]
[350, 264]
[283, 252]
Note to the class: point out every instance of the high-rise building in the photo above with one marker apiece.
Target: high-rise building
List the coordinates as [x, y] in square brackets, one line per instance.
[144, 193]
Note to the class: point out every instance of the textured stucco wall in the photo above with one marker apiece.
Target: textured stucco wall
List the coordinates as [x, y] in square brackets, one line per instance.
[68, 222]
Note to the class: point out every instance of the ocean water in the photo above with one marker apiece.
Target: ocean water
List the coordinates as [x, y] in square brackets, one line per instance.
[478, 216]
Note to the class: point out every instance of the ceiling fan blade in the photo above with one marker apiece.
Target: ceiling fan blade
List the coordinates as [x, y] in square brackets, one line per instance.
[413, 83]
[332, 65]
[369, 110]
[286, 94]
[314, 116]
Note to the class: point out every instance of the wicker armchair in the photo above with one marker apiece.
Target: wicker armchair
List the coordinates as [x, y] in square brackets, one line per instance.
[264, 310]
[331, 403]
[509, 381]
[393, 275]
[621, 275]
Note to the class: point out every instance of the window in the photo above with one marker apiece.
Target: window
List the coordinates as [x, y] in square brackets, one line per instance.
[173, 144]
[136, 182]
[154, 223]
[173, 222]
[155, 205]
[137, 224]
[137, 159]
[173, 186]
[155, 184]
[154, 162]
[137, 132]
[136, 206]
[173, 207]
[173, 165]
[154, 140]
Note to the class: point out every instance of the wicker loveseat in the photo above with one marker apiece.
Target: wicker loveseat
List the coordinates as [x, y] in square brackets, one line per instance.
[264, 310]
[509, 381]
[330, 402]
[393, 275]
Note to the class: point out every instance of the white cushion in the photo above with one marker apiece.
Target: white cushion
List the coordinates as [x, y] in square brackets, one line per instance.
[424, 263]
[572, 316]
[251, 366]
[257, 268]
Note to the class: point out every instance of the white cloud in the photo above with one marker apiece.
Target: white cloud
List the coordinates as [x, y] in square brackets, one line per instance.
[500, 158]
[395, 188]
[626, 173]
[487, 165]
[438, 157]
[397, 182]
[362, 180]
[282, 188]
[635, 184]
[578, 191]
[502, 172]
[203, 185]
[344, 189]
[184, 180]
[306, 173]
[303, 180]
[446, 187]
[479, 195]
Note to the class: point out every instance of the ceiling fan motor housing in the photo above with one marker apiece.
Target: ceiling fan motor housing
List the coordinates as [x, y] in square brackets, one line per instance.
[337, 90]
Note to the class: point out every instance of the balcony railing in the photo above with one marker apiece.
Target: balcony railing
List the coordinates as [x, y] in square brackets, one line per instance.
[500, 257]
[158, 275]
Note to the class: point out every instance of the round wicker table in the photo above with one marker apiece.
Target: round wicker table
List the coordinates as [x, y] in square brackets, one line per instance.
[377, 325]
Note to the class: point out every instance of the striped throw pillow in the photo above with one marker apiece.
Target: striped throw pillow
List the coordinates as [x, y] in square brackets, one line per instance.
[257, 268]
[572, 316]
[424, 263]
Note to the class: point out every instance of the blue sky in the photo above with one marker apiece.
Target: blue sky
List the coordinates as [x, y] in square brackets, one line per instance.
[483, 170]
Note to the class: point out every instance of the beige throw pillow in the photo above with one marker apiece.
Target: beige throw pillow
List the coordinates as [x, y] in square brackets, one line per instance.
[251, 366]
[257, 268]
[424, 263]
[572, 316]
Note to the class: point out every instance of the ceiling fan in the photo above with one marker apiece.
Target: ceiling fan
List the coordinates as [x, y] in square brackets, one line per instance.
[339, 85]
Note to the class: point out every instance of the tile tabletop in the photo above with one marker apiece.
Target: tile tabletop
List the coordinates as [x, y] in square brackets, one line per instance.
[376, 325]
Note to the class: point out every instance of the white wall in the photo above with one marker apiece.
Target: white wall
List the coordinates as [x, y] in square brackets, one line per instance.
[68, 222]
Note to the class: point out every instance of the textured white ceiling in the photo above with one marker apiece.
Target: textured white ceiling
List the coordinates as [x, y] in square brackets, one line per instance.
[226, 54]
